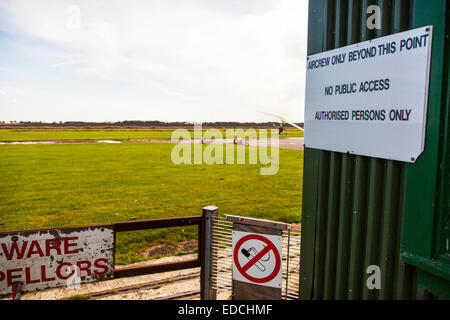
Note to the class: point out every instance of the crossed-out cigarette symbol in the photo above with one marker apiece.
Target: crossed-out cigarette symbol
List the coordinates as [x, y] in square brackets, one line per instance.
[251, 252]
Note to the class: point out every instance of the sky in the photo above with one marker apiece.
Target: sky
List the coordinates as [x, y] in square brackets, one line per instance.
[167, 60]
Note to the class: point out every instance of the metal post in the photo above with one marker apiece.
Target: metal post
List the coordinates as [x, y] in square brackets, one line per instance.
[17, 290]
[207, 293]
[287, 263]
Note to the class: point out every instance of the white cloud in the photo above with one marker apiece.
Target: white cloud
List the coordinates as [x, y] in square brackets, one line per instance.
[218, 58]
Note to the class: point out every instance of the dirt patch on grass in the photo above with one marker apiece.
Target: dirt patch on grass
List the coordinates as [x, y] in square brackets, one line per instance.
[181, 248]
[296, 226]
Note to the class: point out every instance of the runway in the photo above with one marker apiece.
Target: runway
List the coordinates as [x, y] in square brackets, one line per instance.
[294, 143]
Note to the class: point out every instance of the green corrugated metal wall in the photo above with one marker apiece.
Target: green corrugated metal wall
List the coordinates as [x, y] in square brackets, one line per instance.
[425, 240]
[353, 206]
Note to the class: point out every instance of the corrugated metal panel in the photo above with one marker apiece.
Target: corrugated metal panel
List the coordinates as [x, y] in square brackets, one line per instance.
[352, 205]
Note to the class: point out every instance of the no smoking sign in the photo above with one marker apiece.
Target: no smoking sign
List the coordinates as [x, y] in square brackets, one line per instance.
[257, 258]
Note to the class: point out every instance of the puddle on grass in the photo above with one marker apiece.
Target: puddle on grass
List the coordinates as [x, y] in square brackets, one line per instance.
[107, 141]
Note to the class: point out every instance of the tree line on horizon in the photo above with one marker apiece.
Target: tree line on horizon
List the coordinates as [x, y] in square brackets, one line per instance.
[139, 123]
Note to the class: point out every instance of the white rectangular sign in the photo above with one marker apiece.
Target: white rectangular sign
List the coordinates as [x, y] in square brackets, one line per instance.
[370, 98]
[257, 258]
[55, 257]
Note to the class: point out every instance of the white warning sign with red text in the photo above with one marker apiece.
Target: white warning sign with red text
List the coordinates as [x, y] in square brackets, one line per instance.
[56, 257]
[257, 258]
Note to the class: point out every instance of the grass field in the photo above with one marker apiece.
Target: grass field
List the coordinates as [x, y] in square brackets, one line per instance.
[120, 134]
[76, 184]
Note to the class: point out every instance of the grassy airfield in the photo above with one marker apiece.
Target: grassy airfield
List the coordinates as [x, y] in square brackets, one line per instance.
[112, 134]
[77, 184]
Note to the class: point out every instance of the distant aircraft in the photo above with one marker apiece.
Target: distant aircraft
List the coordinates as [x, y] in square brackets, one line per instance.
[283, 122]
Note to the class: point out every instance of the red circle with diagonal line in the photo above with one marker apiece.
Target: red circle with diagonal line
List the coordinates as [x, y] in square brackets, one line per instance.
[248, 265]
